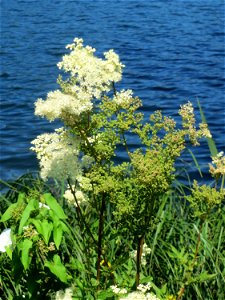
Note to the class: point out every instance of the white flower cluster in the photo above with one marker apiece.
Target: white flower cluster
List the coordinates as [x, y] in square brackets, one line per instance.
[116, 290]
[123, 97]
[217, 168]
[187, 113]
[94, 75]
[144, 288]
[59, 105]
[146, 251]
[67, 295]
[5, 239]
[140, 296]
[58, 155]
[75, 195]
[91, 77]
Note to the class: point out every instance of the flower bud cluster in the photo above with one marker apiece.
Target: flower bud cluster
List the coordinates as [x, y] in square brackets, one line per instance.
[217, 168]
[187, 113]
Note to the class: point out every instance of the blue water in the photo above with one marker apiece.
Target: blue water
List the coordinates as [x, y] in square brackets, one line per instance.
[173, 51]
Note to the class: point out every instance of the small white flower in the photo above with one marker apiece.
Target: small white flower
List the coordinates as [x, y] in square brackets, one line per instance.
[60, 295]
[42, 205]
[5, 239]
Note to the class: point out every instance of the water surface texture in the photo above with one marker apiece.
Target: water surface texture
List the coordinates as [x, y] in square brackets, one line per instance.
[173, 52]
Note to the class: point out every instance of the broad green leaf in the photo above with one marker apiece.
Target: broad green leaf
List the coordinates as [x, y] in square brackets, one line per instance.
[37, 224]
[32, 205]
[57, 235]
[8, 213]
[57, 268]
[26, 245]
[54, 205]
[46, 230]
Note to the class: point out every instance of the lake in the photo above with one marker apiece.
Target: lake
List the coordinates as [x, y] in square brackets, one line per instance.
[173, 52]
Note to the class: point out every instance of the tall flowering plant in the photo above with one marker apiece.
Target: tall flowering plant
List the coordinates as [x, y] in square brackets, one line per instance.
[97, 117]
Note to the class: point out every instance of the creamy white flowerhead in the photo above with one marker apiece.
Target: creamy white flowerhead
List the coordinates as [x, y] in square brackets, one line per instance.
[5, 239]
[90, 78]
[116, 290]
[93, 74]
[123, 97]
[140, 296]
[59, 105]
[58, 155]
[67, 295]
[74, 196]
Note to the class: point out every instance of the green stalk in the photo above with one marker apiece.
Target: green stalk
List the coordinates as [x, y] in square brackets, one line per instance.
[100, 237]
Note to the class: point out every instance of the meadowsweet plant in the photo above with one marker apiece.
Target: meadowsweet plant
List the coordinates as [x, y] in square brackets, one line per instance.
[102, 195]
[96, 118]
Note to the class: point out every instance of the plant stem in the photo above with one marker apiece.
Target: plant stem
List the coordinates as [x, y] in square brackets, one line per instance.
[138, 260]
[100, 236]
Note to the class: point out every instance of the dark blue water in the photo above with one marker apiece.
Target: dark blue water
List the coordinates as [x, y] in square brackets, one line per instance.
[173, 52]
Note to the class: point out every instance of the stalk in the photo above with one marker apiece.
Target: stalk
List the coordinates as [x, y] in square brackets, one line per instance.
[100, 237]
[138, 260]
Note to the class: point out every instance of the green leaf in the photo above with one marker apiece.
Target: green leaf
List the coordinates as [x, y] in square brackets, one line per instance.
[102, 295]
[57, 268]
[25, 246]
[8, 213]
[57, 235]
[37, 224]
[196, 162]
[32, 205]
[46, 230]
[54, 205]
[204, 276]
[211, 144]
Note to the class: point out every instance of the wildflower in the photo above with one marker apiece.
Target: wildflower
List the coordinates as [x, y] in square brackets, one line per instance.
[146, 251]
[123, 97]
[58, 155]
[5, 239]
[217, 168]
[140, 296]
[42, 205]
[144, 288]
[93, 75]
[74, 196]
[117, 290]
[67, 295]
[59, 105]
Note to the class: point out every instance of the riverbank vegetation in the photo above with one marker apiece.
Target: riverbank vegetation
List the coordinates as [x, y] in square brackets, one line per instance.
[93, 226]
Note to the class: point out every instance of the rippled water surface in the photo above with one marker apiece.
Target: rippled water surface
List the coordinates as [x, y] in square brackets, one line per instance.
[173, 51]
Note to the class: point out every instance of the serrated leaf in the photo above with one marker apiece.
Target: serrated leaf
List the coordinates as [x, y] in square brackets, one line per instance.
[54, 205]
